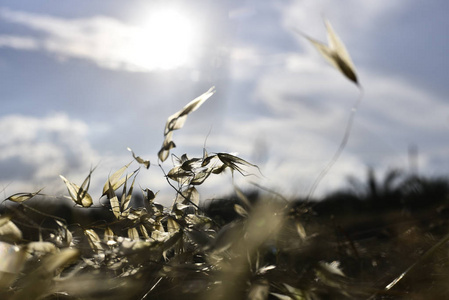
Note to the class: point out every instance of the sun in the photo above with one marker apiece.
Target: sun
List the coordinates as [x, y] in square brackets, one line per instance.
[164, 41]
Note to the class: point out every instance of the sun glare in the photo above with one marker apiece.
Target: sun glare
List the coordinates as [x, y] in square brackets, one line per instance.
[165, 41]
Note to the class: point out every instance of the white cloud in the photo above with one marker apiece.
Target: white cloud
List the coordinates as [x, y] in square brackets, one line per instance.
[22, 43]
[405, 104]
[108, 42]
[34, 151]
[246, 62]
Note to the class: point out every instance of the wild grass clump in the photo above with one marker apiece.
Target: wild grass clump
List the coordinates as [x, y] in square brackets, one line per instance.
[147, 251]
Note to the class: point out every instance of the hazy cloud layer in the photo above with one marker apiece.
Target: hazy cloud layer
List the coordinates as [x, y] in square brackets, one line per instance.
[278, 103]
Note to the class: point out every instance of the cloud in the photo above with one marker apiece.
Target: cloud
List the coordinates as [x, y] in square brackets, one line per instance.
[106, 41]
[310, 106]
[347, 14]
[16, 42]
[308, 90]
[244, 61]
[34, 151]
[289, 156]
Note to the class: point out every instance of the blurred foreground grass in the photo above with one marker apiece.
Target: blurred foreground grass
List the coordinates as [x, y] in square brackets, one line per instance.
[353, 244]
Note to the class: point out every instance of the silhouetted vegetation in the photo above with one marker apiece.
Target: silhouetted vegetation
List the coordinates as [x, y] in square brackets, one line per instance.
[351, 244]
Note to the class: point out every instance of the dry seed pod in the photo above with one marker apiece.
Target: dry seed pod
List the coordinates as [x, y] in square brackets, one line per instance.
[335, 53]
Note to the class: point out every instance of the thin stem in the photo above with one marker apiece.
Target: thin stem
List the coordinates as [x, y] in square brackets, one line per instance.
[429, 252]
[342, 146]
[178, 190]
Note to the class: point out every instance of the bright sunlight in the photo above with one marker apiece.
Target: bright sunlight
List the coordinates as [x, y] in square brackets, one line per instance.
[165, 41]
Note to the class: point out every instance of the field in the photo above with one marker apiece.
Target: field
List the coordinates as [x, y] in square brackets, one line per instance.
[355, 244]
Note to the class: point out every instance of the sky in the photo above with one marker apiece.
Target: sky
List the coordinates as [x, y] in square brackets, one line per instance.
[80, 81]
